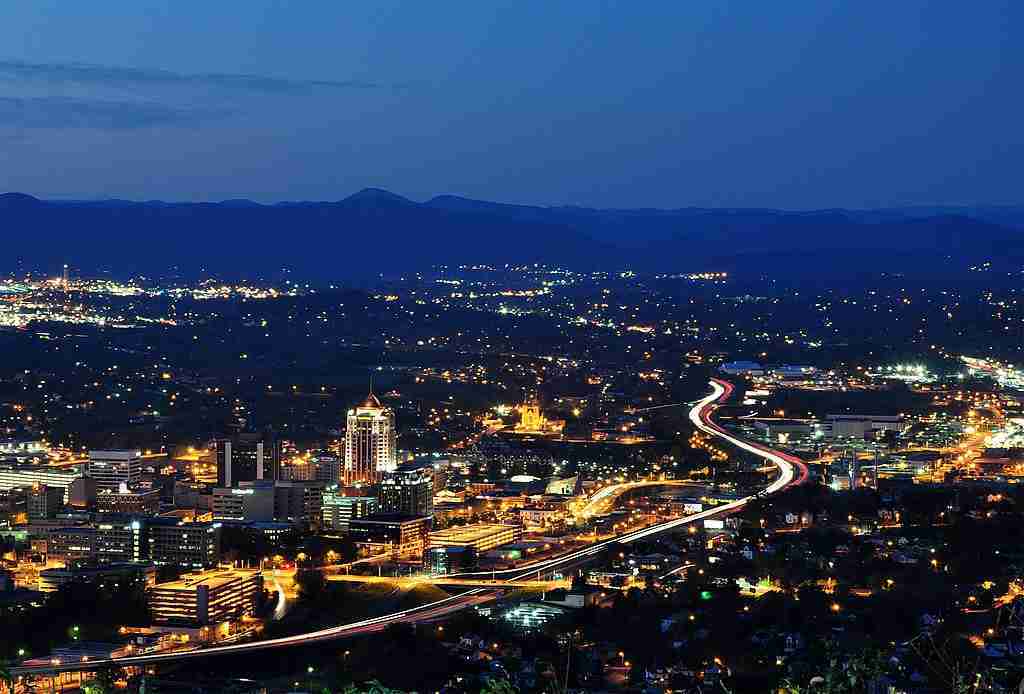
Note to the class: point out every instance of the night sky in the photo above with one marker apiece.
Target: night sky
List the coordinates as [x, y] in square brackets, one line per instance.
[794, 104]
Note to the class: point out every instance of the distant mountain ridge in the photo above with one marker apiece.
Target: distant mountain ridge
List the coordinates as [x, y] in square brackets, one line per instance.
[375, 232]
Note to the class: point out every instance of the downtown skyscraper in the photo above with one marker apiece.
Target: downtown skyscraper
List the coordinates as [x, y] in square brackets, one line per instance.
[371, 443]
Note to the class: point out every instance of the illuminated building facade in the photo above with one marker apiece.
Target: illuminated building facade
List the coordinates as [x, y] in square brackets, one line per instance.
[143, 502]
[409, 491]
[371, 443]
[206, 598]
[190, 545]
[14, 475]
[115, 541]
[111, 469]
[398, 535]
[479, 536]
[533, 421]
[339, 510]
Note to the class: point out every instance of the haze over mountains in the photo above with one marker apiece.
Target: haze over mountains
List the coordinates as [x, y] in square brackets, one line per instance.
[376, 232]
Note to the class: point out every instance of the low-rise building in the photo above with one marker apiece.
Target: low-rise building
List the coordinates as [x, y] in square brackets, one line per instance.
[50, 580]
[479, 536]
[109, 541]
[249, 501]
[338, 510]
[206, 598]
[14, 475]
[390, 533]
[190, 545]
[143, 502]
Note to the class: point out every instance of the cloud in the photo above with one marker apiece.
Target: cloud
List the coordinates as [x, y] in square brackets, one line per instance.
[62, 112]
[87, 74]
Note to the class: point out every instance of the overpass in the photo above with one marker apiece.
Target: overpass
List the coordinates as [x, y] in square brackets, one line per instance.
[448, 580]
[792, 471]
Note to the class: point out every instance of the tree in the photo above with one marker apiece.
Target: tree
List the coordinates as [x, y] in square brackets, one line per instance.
[498, 686]
[372, 687]
[106, 679]
[312, 584]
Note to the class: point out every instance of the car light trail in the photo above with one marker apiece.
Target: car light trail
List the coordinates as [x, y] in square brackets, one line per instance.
[792, 471]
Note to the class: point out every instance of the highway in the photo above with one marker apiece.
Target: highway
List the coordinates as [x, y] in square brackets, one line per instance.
[791, 471]
[606, 496]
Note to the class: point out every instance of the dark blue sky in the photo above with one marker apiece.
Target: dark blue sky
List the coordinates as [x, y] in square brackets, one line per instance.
[798, 104]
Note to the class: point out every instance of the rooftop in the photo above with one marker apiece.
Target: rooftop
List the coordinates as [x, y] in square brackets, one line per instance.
[212, 579]
[470, 533]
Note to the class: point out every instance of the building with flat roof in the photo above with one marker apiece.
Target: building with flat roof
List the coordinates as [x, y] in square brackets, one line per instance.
[51, 580]
[206, 598]
[14, 475]
[447, 560]
[109, 540]
[479, 536]
[298, 502]
[249, 501]
[859, 425]
[111, 469]
[338, 509]
[142, 502]
[189, 545]
[43, 501]
[391, 533]
[408, 490]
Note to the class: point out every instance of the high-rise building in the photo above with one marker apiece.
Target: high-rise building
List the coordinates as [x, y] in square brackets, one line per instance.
[111, 469]
[44, 501]
[339, 510]
[371, 442]
[408, 490]
[247, 457]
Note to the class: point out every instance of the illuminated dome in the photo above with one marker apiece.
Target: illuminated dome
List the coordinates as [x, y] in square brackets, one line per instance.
[523, 479]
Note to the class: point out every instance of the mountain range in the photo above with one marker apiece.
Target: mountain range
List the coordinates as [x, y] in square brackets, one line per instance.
[376, 233]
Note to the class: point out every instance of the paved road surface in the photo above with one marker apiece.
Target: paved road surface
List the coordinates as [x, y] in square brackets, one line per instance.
[792, 470]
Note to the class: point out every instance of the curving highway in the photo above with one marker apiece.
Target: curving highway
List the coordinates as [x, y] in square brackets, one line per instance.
[792, 471]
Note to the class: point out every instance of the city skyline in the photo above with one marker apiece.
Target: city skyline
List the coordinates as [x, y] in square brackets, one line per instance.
[694, 334]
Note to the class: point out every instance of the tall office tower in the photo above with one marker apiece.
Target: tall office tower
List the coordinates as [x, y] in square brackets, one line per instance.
[408, 490]
[111, 469]
[247, 457]
[371, 443]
